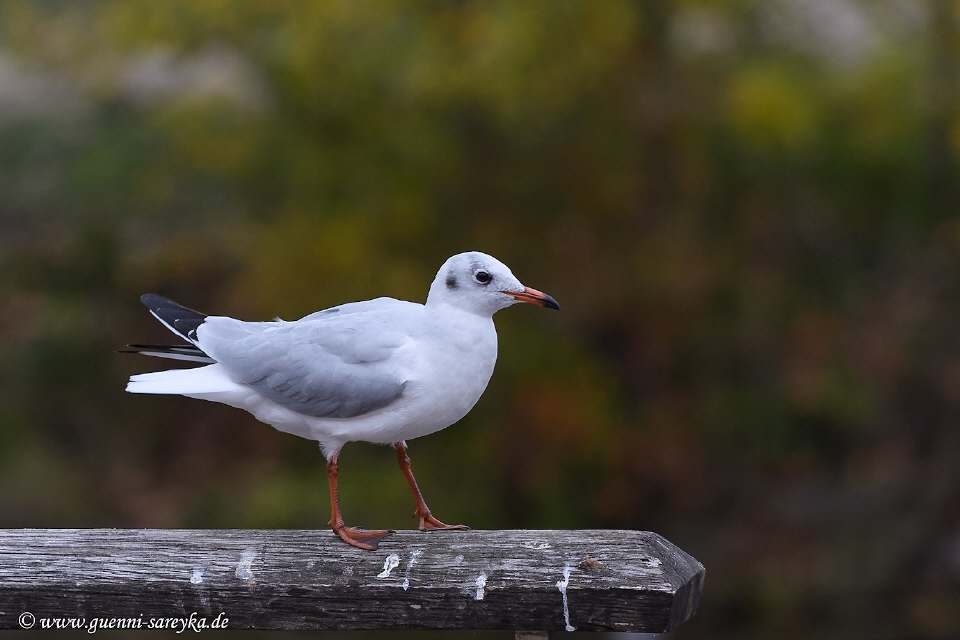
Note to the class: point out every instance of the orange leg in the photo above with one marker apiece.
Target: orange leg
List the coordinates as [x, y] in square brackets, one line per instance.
[360, 538]
[427, 521]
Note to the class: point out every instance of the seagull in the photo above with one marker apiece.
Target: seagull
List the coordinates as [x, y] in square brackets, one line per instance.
[382, 371]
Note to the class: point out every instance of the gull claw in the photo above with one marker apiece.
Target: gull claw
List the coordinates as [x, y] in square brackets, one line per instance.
[362, 538]
[429, 523]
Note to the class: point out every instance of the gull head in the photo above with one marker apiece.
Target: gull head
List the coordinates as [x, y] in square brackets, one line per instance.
[481, 284]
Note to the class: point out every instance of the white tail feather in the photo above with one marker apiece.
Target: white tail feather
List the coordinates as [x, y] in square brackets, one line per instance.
[201, 380]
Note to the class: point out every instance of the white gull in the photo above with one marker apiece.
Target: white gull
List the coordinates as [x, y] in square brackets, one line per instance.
[382, 370]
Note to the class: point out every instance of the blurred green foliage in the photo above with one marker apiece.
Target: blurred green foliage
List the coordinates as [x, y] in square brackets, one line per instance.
[749, 212]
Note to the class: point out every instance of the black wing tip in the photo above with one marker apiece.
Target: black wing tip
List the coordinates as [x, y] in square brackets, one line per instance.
[181, 320]
[155, 302]
[186, 352]
[169, 347]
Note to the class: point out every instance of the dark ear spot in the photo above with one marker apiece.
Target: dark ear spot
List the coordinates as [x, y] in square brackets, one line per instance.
[452, 282]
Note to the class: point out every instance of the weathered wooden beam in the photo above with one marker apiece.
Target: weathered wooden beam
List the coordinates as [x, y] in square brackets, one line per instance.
[282, 579]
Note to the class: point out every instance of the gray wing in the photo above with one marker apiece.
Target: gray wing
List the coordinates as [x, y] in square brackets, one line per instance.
[327, 365]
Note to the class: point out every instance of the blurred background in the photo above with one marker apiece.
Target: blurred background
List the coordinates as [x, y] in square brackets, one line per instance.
[748, 210]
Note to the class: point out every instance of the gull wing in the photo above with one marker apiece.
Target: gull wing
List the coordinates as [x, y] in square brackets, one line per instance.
[327, 365]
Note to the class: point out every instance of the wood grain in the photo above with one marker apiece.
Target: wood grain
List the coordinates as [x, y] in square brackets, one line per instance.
[285, 579]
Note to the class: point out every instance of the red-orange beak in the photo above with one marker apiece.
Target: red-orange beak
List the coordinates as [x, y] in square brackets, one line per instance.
[533, 296]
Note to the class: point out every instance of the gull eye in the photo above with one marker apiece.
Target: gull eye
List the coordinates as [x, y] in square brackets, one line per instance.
[483, 277]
